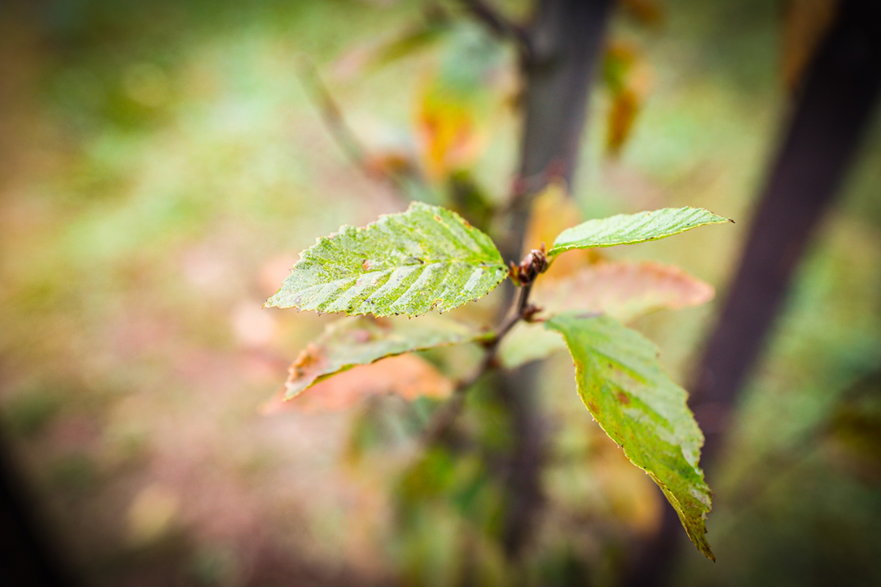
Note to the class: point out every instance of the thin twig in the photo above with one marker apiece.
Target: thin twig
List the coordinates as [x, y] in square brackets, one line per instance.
[341, 132]
[331, 114]
[444, 418]
[499, 25]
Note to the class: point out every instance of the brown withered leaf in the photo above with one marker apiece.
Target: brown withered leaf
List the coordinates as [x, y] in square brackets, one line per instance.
[408, 376]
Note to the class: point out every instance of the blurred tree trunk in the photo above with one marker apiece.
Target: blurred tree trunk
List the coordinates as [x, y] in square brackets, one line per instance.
[833, 109]
[28, 554]
[564, 44]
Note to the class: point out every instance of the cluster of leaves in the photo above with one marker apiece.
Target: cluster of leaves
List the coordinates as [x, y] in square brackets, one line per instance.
[429, 258]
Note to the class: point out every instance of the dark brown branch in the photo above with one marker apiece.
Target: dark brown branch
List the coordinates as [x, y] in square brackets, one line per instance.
[497, 24]
[820, 141]
[564, 47]
[446, 416]
[566, 37]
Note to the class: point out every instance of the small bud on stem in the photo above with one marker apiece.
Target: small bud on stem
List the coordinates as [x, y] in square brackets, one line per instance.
[533, 264]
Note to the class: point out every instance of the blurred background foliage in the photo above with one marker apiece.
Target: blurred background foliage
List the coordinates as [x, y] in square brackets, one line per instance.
[164, 162]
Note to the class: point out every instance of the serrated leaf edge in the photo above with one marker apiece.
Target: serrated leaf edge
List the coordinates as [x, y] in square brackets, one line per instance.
[698, 540]
[556, 250]
[500, 267]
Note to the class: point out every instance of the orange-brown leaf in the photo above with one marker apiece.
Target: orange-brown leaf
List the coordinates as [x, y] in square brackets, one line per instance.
[624, 290]
[408, 376]
[447, 131]
[622, 114]
[627, 79]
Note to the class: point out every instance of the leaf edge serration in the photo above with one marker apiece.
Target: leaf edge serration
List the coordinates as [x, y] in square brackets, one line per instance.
[285, 298]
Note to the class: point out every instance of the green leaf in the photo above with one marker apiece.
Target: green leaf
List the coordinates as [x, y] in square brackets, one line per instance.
[350, 342]
[642, 410]
[409, 263]
[624, 290]
[628, 229]
[527, 342]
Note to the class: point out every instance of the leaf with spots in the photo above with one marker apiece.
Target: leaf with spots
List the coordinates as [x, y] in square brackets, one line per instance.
[629, 229]
[638, 406]
[427, 258]
[348, 343]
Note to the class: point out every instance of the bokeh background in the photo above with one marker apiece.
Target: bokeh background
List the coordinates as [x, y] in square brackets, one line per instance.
[164, 162]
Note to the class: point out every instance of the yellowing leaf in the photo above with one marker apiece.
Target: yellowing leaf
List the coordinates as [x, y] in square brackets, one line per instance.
[622, 114]
[553, 211]
[359, 341]
[367, 58]
[454, 103]
[408, 376]
[447, 130]
[626, 81]
[624, 388]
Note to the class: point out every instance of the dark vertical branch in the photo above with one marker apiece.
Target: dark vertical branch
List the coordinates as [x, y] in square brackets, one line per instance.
[564, 46]
[565, 40]
[833, 109]
[28, 555]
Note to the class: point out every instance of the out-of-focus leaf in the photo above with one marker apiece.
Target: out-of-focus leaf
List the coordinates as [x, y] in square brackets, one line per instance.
[623, 386]
[447, 130]
[618, 63]
[446, 504]
[646, 12]
[408, 376]
[622, 289]
[854, 429]
[622, 114]
[625, 77]
[469, 199]
[526, 343]
[368, 58]
[628, 229]
[387, 429]
[804, 24]
[389, 163]
[454, 103]
[423, 259]
[350, 342]
[553, 211]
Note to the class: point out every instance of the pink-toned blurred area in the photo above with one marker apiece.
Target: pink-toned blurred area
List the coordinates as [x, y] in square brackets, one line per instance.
[162, 164]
